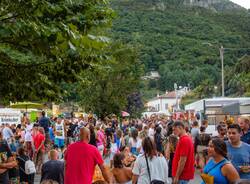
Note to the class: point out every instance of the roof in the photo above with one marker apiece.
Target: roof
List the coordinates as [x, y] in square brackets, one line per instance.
[168, 95]
[216, 102]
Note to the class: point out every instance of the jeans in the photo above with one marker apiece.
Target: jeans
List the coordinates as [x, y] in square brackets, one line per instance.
[183, 181]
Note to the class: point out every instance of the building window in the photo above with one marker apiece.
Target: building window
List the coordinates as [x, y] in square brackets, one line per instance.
[166, 106]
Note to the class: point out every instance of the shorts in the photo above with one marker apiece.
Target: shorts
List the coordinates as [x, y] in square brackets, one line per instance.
[59, 142]
[47, 139]
[39, 156]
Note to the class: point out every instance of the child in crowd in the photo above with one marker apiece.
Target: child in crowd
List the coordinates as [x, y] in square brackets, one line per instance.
[121, 173]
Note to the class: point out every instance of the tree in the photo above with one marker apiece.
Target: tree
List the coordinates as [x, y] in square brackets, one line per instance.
[238, 78]
[105, 90]
[46, 42]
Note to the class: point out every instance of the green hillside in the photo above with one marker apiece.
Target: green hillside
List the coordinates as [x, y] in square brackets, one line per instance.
[182, 42]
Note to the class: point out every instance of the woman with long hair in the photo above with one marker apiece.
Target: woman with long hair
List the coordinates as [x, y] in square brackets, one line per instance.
[93, 137]
[219, 169]
[170, 151]
[150, 166]
[134, 142]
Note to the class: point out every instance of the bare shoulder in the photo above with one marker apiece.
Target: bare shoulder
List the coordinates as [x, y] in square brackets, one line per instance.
[229, 170]
[128, 168]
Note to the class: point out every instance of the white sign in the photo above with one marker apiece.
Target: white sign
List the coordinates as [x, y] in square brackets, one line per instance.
[10, 116]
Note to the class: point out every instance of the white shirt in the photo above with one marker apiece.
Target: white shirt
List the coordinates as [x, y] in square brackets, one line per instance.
[135, 144]
[151, 133]
[7, 133]
[59, 128]
[28, 136]
[158, 167]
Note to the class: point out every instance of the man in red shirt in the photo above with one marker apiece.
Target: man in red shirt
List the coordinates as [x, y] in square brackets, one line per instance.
[39, 140]
[81, 159]
[183, 162]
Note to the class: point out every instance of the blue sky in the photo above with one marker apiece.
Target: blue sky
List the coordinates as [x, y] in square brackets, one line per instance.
[244, 3]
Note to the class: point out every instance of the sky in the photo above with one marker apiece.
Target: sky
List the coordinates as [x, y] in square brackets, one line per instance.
[243, 3]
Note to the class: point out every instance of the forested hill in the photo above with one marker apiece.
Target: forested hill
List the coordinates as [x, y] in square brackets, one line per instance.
[182, 40]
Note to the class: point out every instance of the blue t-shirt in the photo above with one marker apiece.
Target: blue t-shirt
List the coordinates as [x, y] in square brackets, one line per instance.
[239, 156]
[246, 137]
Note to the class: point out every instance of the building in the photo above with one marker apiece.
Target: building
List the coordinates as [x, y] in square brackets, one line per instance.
[166, 103]
[153, 75]
[220, 109]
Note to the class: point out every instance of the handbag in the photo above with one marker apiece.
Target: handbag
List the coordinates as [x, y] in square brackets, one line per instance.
[154, 181]
[206, 177]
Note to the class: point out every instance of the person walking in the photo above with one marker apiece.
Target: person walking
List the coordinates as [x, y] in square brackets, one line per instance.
[218, 169]
[53, 169]
[7, 160]
[150, 166]
[81, 159]
[22, 158]
[238, 151]
[39, 140]
[45, 123]
[183, 162]
[200, 147]
[7, 133]
[60, 133]
[245, 127]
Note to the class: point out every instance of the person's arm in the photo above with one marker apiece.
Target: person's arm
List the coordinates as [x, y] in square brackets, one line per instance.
[129, 173]
[167, 152]
[9, 164]
[230, 173]
[40, 145]
[180, 168]
[134, 179]
[11, 133]
[105, 174]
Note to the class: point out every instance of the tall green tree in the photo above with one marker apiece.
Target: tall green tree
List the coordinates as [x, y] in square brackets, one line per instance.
[105, 90]
[46, 42]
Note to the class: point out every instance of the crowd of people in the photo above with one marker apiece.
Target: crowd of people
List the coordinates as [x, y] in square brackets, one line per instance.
[154, 150]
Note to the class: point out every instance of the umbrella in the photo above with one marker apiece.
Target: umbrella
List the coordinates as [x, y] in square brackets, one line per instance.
[125, 114]
[26, 105]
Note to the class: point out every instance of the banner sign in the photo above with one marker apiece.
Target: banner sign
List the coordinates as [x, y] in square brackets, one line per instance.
[10, 116]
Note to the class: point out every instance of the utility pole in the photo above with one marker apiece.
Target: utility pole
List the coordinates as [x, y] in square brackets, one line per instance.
[176, 98]
[222, 71]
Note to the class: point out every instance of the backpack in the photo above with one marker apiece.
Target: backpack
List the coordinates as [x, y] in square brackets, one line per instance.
[29, 165]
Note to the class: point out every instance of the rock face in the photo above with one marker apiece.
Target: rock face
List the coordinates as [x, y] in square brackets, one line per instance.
[216, 5]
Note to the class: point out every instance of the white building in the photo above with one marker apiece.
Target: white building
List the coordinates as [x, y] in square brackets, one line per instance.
[153, 75]
[165, 103]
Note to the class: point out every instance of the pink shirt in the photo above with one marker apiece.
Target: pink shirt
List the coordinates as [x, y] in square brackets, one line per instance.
[101, 138]
[81, 159]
